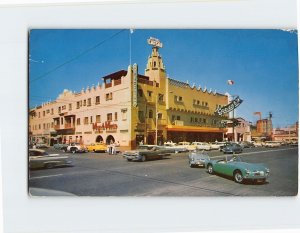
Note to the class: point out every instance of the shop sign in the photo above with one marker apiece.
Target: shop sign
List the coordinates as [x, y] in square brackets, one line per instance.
[230, 107]
[134, 94]
[107, 125]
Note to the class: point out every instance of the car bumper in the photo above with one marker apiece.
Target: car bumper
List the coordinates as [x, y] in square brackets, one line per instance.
[133, 157]
[198, 163]
[257, 177]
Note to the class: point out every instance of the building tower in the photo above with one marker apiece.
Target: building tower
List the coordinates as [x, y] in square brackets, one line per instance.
[155, 68]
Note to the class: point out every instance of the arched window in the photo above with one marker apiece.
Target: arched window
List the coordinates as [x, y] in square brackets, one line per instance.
[154, 64]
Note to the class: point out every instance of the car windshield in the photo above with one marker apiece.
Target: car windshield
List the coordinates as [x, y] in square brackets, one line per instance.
[200, 155]
[234, 159]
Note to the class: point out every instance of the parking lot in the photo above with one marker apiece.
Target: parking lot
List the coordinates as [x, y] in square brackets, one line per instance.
[100, 174]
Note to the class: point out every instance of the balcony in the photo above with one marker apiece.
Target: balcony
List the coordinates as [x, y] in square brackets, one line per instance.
[69, 126]
[178, 123]
[56, 127]
[162, 122]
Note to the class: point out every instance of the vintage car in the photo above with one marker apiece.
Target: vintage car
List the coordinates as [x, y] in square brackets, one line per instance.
[76, 147]
[202, 145]
[233, 166]
[272, 144]
[174, 147]
[40, 145]
[232, 148]
[97, 147]
[147, 152]
[246, 144]
[59, 146]
[198, 158]
[41, 159]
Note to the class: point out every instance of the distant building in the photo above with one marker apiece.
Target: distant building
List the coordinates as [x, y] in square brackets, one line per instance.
[241, 130]
[286, 134]
[129, 107]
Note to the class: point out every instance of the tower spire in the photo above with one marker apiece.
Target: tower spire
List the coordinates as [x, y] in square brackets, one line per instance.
[155, 67]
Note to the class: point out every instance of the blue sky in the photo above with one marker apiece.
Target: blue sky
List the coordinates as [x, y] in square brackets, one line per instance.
[262, 63]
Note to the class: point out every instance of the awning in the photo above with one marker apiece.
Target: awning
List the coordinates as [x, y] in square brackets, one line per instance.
[176, 128]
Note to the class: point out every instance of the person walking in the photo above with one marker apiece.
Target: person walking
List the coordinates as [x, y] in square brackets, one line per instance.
[113, 148]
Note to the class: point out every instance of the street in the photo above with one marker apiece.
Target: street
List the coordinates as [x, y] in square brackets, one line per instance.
[100, 174]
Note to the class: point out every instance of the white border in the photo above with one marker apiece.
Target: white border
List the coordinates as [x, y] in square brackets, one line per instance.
[24, 214]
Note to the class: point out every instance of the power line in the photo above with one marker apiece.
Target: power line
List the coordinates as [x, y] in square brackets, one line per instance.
[76, 57]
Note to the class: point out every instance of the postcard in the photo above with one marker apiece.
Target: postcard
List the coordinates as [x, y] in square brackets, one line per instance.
[166, 112]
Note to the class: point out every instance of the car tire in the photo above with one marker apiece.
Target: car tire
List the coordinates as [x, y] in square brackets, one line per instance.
[238, 177]
[191, 165]
[73, 150]
[143, 159]
[210, 169]
[129, 160]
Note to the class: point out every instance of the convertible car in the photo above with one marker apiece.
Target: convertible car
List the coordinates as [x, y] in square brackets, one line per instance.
[234, 167]
[198, 158]
[147, 152]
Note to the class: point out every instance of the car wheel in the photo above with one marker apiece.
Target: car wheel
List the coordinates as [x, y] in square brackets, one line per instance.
[49, 165]
[210, 169]
[238, 177]
[129, 160]
[143, 158]
[191, 165]
[73, 150]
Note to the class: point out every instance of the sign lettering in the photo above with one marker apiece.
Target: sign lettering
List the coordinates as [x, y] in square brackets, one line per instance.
[228, 108]
[134, 96]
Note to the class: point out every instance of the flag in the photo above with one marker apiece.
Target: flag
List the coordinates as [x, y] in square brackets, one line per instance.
[131, 30]
[230, 82]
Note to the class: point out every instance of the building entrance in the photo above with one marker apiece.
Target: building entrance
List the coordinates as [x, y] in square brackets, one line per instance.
[99, 138]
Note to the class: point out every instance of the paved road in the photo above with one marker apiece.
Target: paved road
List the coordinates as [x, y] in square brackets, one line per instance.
[99, 174]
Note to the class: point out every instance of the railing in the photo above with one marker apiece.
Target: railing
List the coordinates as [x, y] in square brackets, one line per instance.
[56, 127]
[69, 126]
[178, 122]
[117, 82]
[107, 85]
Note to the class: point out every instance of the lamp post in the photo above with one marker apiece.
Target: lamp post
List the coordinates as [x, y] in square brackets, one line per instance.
[233, 121]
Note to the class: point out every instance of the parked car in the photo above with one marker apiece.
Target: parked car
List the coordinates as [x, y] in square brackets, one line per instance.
[97, 147]
[246, 144]
[147, 152]
[174, 147]
[202, 146]
[198, 158]
[59, 146]
[272, 144]
[232, 148]
[233, 166]
[41, 145]
[75, 147]
[41, 159]
[216, 145]
[224, 144]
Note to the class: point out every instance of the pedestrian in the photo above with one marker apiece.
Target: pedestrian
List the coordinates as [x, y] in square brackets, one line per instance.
[141, 143]
[110, 147]
[113, 148]
[34, 146]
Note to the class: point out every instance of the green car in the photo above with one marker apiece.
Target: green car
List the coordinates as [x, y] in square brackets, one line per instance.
[233, 166]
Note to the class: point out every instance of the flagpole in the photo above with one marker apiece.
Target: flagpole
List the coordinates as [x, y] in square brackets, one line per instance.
[130, 47]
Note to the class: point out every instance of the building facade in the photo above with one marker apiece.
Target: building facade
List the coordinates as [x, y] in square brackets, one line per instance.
[131, 108]
[242, 131]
